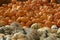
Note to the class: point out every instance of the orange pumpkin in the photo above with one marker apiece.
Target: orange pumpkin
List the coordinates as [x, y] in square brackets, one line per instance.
[18, 19]
[10, 21]
[11, 13]
[58, 23]
[19, 14]
[50, 18]
[3, 23]
[22, 23]
[28, 24]
[48, 23]
[13, 18]
[57, 16]
[22, 19]
[1, 17]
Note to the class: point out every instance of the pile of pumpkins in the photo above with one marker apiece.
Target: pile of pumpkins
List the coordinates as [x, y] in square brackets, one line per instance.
[15, 31]
[31, 11]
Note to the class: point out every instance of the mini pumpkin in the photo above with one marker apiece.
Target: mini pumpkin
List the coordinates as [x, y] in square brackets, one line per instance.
[57, 15]
[48, 23]
[10, 21]
[58, 23]
[28, 24]
[3, 22]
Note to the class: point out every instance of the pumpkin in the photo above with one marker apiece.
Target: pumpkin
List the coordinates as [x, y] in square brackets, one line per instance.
[1, 17]
[10, 21]
[28, 24]
[22, 23]
[36, 26]
[57, 15]
[48, 23]
[3, 23]
[19, 14]
[58, 23]
[13, 18]
[50, 18]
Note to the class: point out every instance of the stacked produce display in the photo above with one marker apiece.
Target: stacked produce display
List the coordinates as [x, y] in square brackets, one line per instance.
[15, 31]
[31, 11]
[30, 20]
